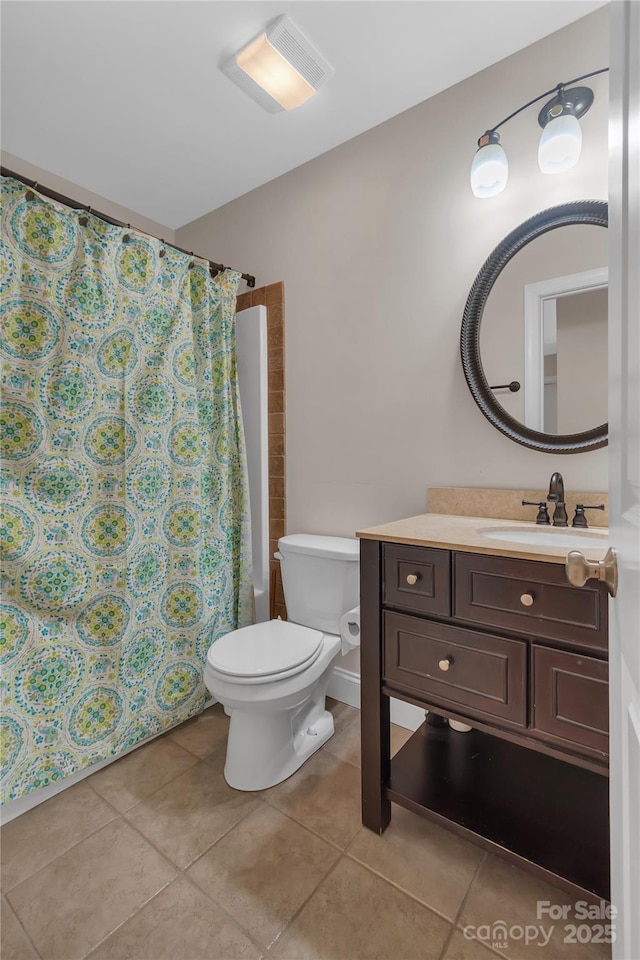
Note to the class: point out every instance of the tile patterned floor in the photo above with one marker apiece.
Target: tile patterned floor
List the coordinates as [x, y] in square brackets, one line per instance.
[156, 858]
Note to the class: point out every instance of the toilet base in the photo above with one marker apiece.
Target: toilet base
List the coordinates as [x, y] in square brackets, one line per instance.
[275, 726]
[256, 766]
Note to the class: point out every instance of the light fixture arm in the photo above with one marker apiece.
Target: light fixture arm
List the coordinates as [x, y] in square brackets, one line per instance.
[557, 90]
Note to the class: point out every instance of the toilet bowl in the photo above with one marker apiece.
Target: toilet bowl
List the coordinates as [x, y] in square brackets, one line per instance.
[272, 677]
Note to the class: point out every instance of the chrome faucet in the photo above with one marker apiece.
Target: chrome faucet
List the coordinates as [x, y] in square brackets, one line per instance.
[556, 495]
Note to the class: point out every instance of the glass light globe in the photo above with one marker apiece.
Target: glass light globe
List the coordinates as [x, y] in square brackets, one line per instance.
[489, 171]
[560, 144]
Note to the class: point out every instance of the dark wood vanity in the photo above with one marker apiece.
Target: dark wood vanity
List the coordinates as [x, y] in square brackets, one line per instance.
[510, 647]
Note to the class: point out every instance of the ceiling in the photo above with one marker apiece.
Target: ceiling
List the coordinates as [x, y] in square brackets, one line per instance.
[127, 99]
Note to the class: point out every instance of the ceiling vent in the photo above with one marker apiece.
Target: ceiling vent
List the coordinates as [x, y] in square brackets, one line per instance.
[279, 69]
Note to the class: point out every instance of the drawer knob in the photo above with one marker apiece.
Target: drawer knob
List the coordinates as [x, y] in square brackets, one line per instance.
[526, 599]
[445, 664]
[411, 579]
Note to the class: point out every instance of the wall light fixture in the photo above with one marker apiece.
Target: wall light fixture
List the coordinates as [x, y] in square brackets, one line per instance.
[560, 143]
[280, 69]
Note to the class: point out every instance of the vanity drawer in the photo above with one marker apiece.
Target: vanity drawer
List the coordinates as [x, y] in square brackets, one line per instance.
[484, 673]
[531, 598]
[571, 699]
[417, 578]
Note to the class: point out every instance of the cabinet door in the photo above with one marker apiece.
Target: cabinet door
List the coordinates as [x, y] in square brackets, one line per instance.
[449, 665]
[571, 699]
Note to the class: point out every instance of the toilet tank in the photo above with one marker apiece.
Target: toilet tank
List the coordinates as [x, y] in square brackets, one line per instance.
[321, 579]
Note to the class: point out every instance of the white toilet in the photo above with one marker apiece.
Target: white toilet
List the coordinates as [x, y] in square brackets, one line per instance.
[272, 677]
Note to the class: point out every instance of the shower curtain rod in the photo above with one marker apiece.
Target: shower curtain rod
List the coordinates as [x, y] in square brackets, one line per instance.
[75, 205]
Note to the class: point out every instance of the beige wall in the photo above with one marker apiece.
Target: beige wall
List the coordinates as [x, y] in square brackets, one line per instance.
[378, 242]
[72, 190]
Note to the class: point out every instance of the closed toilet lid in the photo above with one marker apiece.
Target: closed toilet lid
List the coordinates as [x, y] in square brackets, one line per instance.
[265, 650]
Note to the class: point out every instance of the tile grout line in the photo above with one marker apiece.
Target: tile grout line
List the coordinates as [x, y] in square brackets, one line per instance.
[182, 872]
[118, 816]
[122, 812]
[192, 883]
[218, 839]
[288, 816]
[21, 926]
[400, 889]
[67, 849]
[332, 843]
[454, 925]
[130, 917]
[297, 913]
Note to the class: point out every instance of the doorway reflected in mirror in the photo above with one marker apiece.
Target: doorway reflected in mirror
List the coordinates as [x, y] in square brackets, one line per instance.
[574, 395]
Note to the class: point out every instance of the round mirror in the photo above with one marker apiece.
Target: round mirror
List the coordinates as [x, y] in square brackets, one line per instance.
[534, 331]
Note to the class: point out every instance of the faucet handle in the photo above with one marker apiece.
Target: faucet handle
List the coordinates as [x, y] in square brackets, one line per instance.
[543, 513]
[579, 519]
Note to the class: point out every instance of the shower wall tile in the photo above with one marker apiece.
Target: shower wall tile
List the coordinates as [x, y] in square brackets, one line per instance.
[276, 508]
[276, 424]
[274, 293]
[276, 360]
[276, 466]
[276, 529]
[275, 317]
[276, 488]
[276, 380]
[276, 401]
[244, 300]
[276, 445]
[272, 296]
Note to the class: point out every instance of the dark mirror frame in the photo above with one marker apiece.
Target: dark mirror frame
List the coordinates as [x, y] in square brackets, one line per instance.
[567, 214]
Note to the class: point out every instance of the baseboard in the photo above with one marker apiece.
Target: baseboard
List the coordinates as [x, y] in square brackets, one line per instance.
[344, 686]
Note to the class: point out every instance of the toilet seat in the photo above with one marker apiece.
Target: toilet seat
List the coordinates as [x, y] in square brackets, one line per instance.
[265, 652]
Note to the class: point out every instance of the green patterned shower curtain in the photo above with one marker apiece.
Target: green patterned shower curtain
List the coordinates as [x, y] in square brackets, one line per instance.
[124, 524]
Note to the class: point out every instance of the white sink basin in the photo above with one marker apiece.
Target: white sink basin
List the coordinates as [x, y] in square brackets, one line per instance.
[549, 536]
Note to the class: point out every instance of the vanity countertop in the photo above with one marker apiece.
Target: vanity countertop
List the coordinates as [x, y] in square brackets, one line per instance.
[469, 535]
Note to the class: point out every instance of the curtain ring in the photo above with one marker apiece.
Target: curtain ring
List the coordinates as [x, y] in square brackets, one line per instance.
[163, 251]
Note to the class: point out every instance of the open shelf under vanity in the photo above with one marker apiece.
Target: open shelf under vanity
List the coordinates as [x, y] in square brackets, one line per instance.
[533, 809]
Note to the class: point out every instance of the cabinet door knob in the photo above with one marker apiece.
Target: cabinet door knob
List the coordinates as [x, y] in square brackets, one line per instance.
[526, 599]
[411, 579]
[445, 664]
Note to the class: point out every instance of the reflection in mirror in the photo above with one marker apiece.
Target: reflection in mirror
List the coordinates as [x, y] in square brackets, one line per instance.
[544, 325]
[574, 397]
